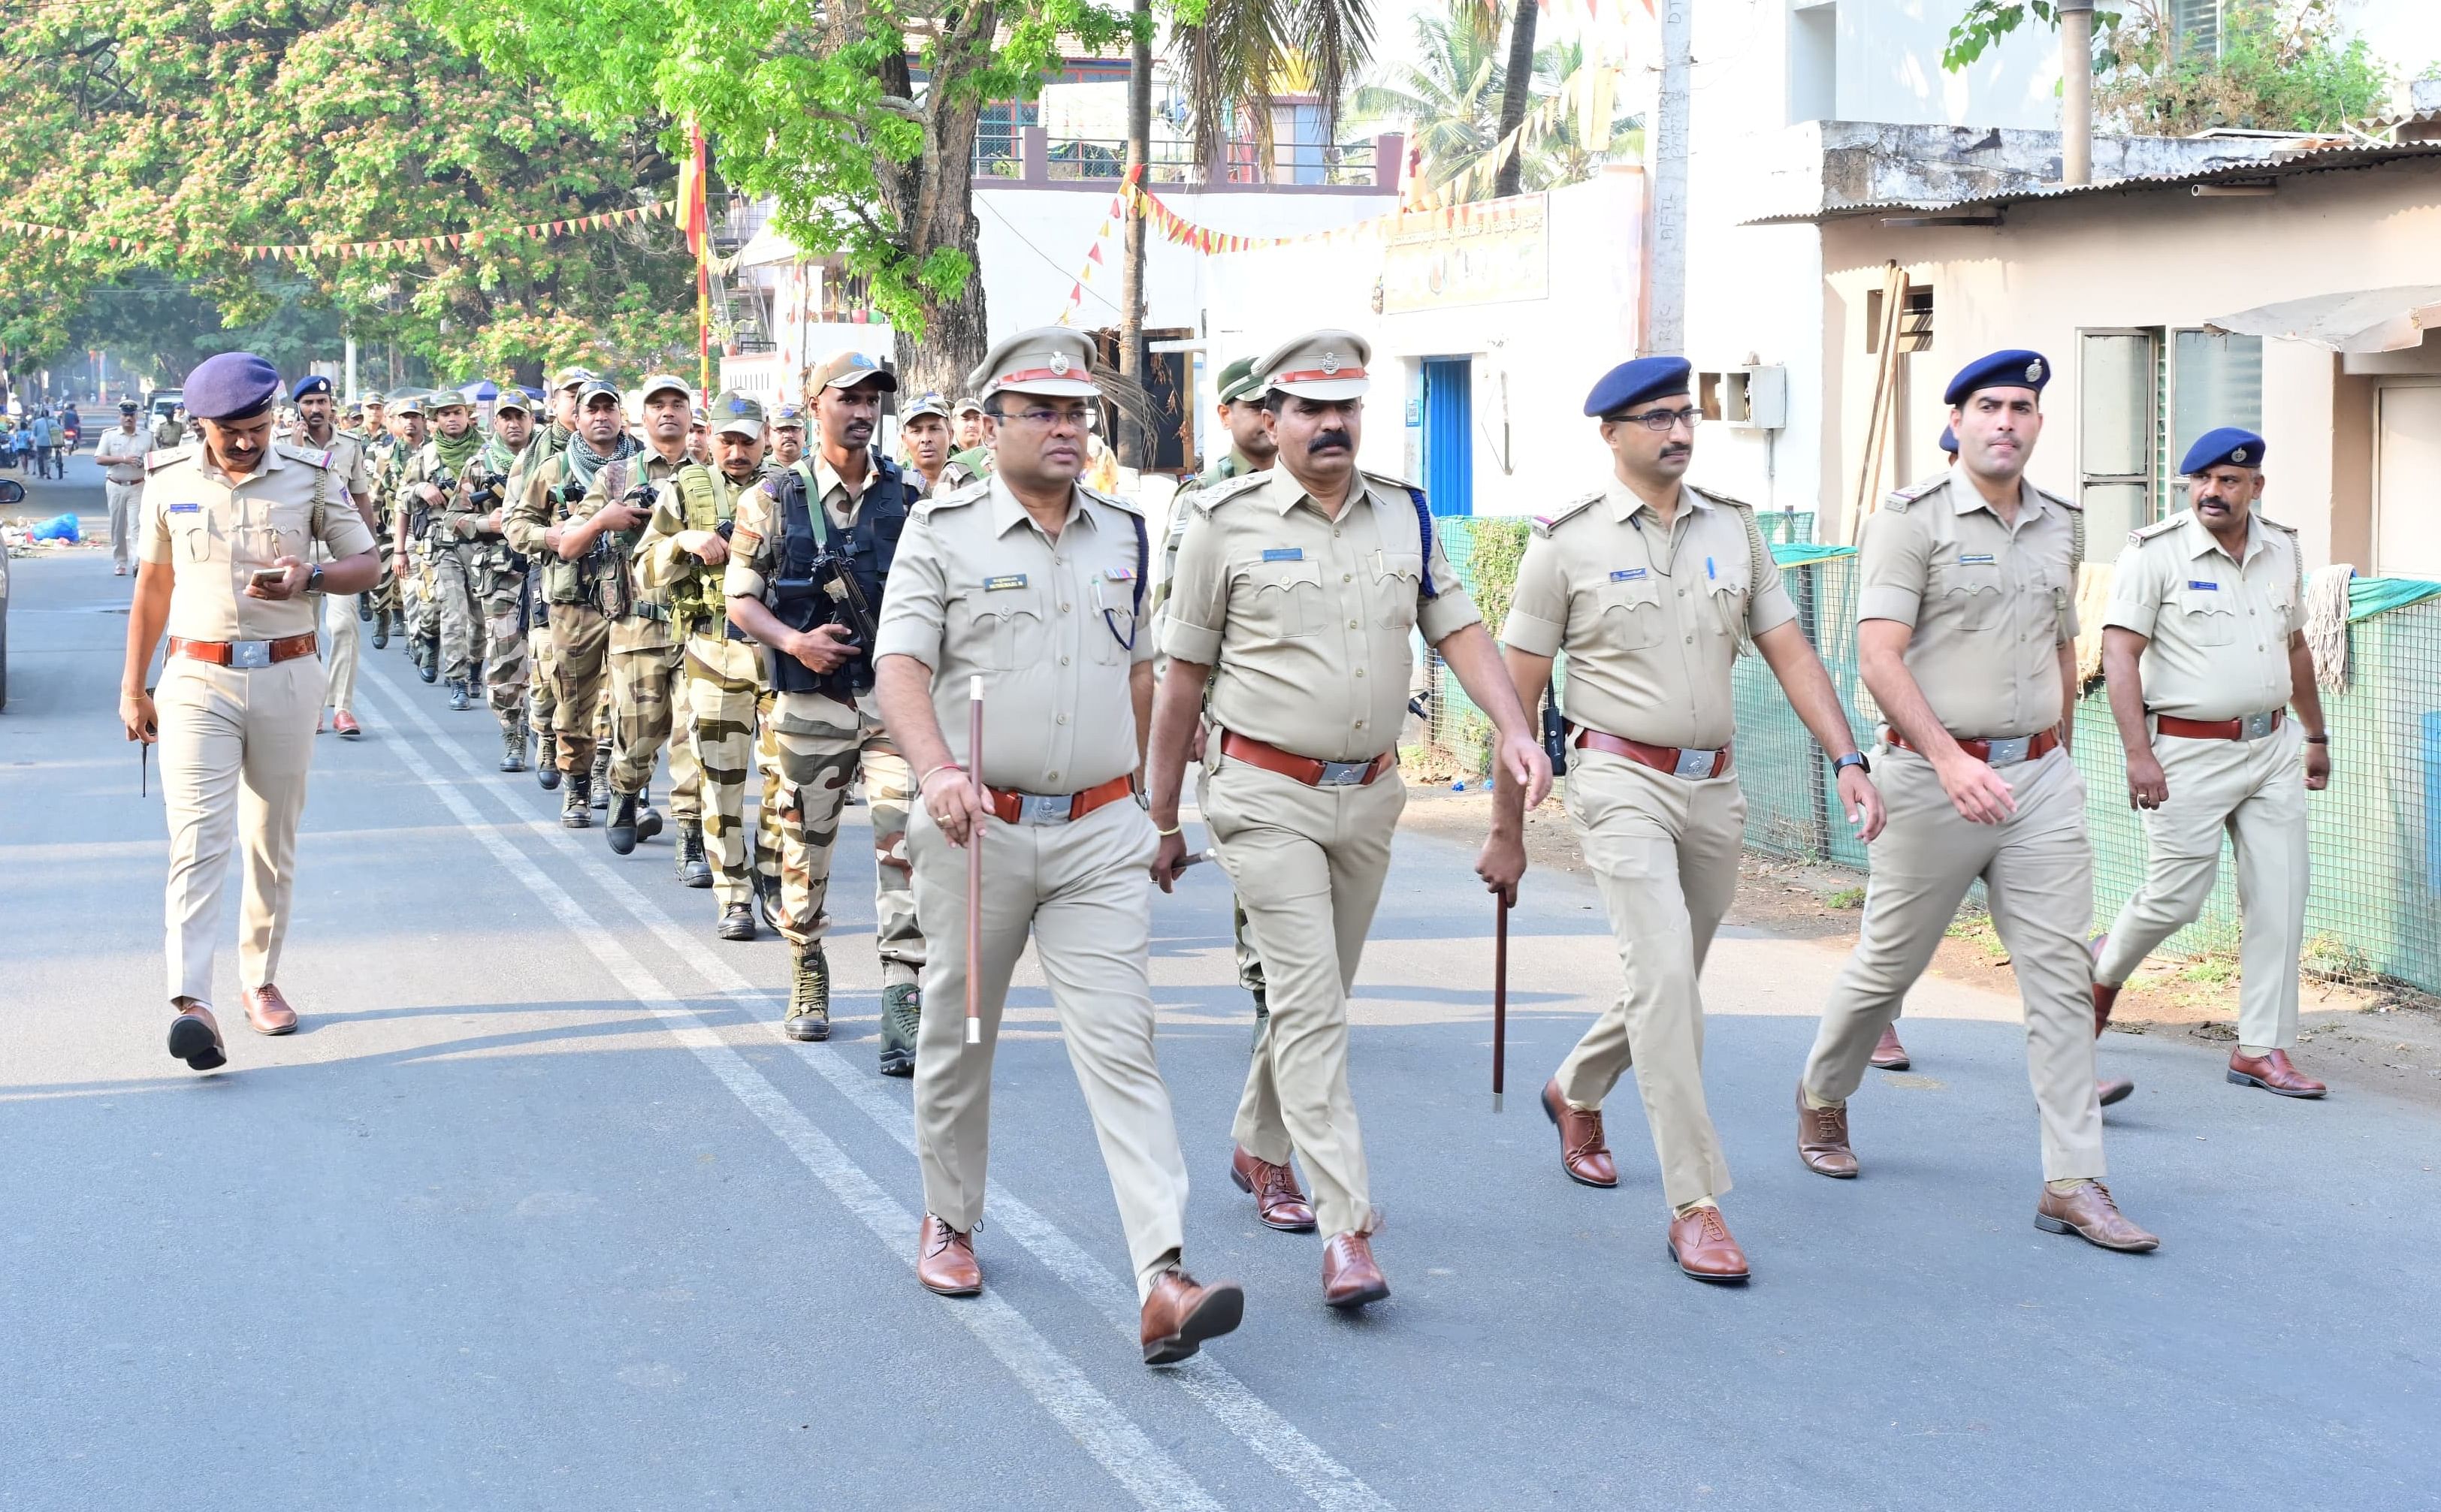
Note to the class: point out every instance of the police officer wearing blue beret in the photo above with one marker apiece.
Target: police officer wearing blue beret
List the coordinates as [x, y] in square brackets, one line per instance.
[2204, 648]
[1966, 608]
[1654, 588]
[229, 526]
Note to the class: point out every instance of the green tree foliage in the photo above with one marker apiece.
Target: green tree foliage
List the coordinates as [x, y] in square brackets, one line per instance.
[857, 116]
[194, 127]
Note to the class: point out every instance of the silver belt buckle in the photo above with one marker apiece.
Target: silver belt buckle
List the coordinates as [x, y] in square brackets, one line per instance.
[1695, 766]
[2009, 753]
[1043, 808]
[1343, 774]
[249, 654]
[2254, 727]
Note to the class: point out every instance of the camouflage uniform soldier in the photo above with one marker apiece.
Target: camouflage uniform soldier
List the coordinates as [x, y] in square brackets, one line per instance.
[924, 432]
[788, 437]
[443, 522]
[503, 583]
[543, 700]
[833, 517]
[401, 438]
[645, 651]
[974, 453]
[685, 545]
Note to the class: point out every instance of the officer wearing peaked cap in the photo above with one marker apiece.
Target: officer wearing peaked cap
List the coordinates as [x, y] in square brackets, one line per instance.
[1034, 585]
[120, 452]
[229, 526]
[316, 431]
[2204, 650]
[1296, 593]
[1967, 623]
[1654, 588]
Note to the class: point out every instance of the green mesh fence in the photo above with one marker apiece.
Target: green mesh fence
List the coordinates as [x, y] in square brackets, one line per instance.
[2373, 912]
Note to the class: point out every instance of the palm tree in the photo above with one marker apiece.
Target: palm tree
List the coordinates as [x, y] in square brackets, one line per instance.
[1246, 53]
[1450, 96]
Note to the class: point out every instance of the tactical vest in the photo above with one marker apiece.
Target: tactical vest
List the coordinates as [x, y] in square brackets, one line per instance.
[865, 550]
[706, 501]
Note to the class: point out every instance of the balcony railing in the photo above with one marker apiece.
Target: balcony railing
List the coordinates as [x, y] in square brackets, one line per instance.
[1031, 156]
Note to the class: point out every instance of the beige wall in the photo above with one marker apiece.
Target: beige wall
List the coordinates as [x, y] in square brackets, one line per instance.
[2143, 257]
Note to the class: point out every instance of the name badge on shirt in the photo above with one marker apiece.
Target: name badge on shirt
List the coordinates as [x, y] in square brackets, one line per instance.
[1628, 575]
[1970, 560]
[2209, 587]
[1013, 580]
[1285, 553]
[185, 508]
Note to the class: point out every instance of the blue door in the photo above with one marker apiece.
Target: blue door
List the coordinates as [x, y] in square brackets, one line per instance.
[1448, 434]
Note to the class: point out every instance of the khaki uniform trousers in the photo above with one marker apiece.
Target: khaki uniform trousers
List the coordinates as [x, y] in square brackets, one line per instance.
[455, 595]
[1083, 890]
[647, 702]
[506, 670]
[342, 645]
[823, 744]
[1307, 864]
[419, 606]
[2037, 872]
[235, 747]
[1664, 852]
[581, 656]
[727, 704]
[2256, 790]
[126, 501]
[542, 697]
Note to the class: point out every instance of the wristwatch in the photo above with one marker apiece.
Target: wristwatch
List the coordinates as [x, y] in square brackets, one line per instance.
[1856, 759]
[314, 579]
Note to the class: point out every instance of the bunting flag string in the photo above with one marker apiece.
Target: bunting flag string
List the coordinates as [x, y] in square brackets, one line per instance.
[296, 252]
[1177, 229]
[1094, 258]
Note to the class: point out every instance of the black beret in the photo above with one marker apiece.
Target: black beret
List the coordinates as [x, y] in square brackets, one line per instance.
[2001, 369]
[231, 385]
[1633, 383]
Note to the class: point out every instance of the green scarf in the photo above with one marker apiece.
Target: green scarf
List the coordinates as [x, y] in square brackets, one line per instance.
[499, 454]
[583, 462]
[455, 454]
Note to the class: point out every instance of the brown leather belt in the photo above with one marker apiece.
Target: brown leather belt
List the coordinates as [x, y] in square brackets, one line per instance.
[1010, 806]
[1688, 761]
[244, 653]
[2248, 726]
[1306, 770]
[2034, 748]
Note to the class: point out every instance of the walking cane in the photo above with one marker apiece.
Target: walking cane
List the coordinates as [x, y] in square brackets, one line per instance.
[975, 862]
[1499, 999]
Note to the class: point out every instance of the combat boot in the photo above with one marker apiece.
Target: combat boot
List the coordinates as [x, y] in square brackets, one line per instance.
[737, 922]
[577, 812]
[695, 867]
[622, 823]
[459, 702]
[900, 1008]
[546, 758]
[427, 659]
[648, 818]
[810, 995]
[513, 744]
[381, 629]
[767, 900]
[601, 785]
[364, 607]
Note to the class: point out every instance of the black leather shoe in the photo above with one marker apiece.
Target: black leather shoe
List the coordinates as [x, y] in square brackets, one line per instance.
[622, 823]
[737, 922]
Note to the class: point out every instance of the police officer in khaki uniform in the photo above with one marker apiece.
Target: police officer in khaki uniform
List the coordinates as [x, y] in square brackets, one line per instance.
[2203, 650]
[1032, 586]
[1653, 587]
[120, 452]
[1966, 605]
[1297, 589]
[228, 527]
[317, 431]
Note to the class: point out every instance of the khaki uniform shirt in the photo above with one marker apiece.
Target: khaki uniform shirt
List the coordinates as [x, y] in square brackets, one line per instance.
[1305, 618]
[1652, 618]
[534, 508]
[2216, 630]
[121, 455]
[976, 588]
[1990, 604]
[167, 434]
[755, 545]
[218, 532]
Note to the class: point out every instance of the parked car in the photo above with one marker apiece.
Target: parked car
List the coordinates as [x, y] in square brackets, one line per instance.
[11, 491]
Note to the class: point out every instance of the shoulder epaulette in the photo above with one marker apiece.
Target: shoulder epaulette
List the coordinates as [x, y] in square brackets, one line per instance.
[2146, 532]
[310, 455]
[1123, 506]
[1211, 497]
[1546, 524]
[1719, 497]
[2060, 499]
[963, 493]
[2276, 524]
[1899, 499]
[161, 457]
[1387, 479]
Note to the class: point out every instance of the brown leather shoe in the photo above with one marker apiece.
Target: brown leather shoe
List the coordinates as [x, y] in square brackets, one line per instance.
[1277, 1200]
[1349, 1277]
[1888, 1055]
[2088, 1212]
[944, 1260]
[1180, 1315]
[2103, 997]
[2272, 1074]
[268, 1012]
[1700, 1242]
[195, 1039]
[2109, 1090]
[1822, 1137]
[1583, 1152]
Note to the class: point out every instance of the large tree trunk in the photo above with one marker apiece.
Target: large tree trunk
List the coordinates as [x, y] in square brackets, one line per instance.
[933, 199]
[1516, 89]
[1135, 447]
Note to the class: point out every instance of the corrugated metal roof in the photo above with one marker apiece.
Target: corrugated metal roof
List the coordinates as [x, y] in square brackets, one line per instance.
[2313, 157]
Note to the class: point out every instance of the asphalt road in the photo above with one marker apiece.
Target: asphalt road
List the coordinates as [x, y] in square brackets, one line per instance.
[539, 1211]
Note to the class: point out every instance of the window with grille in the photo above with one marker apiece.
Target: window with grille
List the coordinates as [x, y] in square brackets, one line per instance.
[2144, 395]
[2195, 27]
[1915, 321]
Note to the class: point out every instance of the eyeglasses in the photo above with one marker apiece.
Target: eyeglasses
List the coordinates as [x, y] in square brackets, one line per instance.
[1663, 419]
[1088, 420]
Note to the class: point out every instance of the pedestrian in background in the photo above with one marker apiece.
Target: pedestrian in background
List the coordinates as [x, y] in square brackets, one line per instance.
[120, 452]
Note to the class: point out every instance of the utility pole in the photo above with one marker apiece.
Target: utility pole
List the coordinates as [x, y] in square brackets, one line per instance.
[1665, 257]
[351, 372]
[2076, 91]
[1135, 447]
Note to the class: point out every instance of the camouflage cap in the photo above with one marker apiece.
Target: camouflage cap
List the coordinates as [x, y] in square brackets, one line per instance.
[737, 414]
[787, 417]
[969, 406]
[374, 396]
[847, 369]
[663, 382]
[926, 403]
[594, 388]
[512, 398]
[408, 402]
[571, 378]
[1238, 382]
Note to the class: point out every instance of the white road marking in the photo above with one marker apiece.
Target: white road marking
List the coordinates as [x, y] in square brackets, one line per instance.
[1305, 1464]
[1156, 1480]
